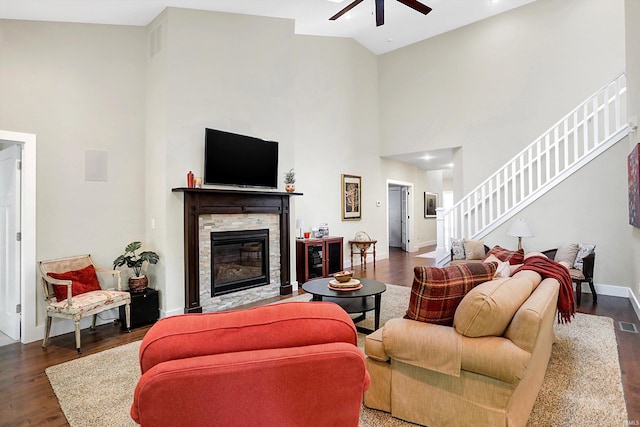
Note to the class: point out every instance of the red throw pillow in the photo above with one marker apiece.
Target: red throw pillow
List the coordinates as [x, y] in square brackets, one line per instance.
[514, 257]
[82, 281]
[436, 292]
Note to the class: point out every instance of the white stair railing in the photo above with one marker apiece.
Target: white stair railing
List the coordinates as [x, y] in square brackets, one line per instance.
[584, 133]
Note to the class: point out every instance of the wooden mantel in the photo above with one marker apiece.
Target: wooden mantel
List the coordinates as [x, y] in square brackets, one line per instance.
[205, 201]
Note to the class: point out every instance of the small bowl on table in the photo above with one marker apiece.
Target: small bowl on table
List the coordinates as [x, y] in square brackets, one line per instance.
[343, 276]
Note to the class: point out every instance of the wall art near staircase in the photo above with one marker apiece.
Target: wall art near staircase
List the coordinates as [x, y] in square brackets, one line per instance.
[430, 204]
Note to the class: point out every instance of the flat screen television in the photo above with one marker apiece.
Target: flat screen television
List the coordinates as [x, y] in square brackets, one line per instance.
[239, 160]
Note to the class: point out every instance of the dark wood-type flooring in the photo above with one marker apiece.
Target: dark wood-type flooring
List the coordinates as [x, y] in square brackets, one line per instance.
[28, 400]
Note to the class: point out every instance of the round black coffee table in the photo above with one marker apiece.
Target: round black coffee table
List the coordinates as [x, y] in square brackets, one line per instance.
[361, 300]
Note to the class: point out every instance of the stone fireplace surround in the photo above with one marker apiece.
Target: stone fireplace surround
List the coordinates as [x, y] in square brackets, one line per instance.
[250, 205]
[237, 222]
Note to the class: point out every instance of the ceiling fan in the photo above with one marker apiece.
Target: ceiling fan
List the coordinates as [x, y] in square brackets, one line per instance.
[413, 4]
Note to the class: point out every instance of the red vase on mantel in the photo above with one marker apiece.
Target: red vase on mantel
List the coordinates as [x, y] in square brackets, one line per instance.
[138, 284]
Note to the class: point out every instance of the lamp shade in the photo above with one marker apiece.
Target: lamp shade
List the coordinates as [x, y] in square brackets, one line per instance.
[299, 223]
[520, 228]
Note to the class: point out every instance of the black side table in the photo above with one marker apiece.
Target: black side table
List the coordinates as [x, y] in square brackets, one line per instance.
[145, 308]
[361, 300]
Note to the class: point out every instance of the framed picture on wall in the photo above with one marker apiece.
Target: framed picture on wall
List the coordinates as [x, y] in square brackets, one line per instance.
[430, 204]
[351, 197]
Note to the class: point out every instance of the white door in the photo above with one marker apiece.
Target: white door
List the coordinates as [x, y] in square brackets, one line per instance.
[395, 229]
[9, 244]
[404, 217]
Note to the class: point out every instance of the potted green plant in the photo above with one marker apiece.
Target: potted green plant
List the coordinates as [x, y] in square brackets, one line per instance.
[290, 181]
[139, 282]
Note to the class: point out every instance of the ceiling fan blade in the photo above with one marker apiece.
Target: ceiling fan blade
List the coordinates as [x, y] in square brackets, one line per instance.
[379, 12]
[345, 10]
[416, 5]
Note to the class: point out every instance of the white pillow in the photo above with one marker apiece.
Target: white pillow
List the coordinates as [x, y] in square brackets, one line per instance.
[457, 247]
[584, 250]
[504, 268]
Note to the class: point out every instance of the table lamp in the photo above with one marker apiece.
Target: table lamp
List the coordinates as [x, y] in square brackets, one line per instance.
[300, 226]
[519, 228]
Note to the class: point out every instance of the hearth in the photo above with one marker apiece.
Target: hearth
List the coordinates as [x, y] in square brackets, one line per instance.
[239, 260]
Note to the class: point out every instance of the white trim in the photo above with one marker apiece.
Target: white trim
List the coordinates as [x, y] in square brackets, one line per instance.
[30, 331]
[425, 244]
[616, 291]
[608, 290]
[634, 303]
[170, 313]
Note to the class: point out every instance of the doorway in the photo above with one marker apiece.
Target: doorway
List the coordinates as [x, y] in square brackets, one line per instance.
[399, 218]
[18, 237]
[10, 193]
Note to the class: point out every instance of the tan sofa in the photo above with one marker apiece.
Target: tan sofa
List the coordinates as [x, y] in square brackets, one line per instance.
[486, 370]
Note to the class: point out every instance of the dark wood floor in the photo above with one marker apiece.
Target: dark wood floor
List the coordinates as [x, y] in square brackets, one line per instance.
[28, 400]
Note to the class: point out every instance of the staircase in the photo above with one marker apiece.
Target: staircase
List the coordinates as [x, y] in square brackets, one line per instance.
[590, 129]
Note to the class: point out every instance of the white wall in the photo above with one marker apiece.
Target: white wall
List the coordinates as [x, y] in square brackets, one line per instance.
[335, 124]
[78, 87]
[156, 158]
[224, 71]
[493, 86]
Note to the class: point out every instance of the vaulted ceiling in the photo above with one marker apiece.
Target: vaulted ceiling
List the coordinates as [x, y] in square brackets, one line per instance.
[403, 25]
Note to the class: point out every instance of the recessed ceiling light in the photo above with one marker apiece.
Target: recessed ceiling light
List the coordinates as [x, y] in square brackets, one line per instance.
[336, 1]
[426, 157]
[347, 16]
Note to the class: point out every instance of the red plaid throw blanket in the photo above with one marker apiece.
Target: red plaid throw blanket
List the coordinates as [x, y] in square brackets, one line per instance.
[549, 268]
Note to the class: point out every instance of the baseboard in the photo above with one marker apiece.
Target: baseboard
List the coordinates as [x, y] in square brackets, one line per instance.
[616, 291]
[634, 303]
[609, 290]
[425, 244]
[169, 313]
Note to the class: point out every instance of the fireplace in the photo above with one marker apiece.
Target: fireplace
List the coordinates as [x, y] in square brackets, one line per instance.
[257, 206]
[239, 260]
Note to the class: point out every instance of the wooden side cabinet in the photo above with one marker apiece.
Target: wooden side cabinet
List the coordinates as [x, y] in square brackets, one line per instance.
[145, 308]
[318, 257]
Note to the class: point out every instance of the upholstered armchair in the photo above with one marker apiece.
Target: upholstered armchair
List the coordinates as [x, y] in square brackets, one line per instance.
[288, 364]
[72, 291]
[580, 275]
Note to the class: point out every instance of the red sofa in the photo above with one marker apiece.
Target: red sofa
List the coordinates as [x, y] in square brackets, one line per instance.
[289, 364]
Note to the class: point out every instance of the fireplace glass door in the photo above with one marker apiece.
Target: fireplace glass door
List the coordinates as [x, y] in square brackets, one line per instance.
[239, 260]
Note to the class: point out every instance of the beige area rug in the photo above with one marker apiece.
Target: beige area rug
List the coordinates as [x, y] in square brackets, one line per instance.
[582, 385]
